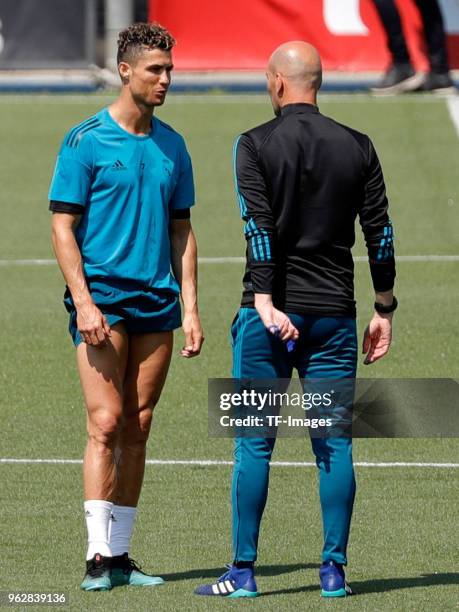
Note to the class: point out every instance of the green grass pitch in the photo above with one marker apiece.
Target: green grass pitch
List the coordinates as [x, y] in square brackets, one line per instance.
[403, 549]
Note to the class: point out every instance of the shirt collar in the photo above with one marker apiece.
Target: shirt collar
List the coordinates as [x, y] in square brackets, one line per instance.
[299, 107]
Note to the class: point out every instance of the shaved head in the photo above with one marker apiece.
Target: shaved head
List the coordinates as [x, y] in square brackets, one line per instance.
[299, 62]
[294, 73]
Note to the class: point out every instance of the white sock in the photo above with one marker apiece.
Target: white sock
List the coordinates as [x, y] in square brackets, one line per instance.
[97, 514]
[122, 524]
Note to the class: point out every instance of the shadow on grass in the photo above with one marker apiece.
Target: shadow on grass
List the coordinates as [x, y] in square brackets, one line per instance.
[382, 585]
[261, 570]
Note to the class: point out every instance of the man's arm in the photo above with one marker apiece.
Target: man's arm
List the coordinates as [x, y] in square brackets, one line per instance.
[377, 229]
[91, 323]
[259, 232]
[276, 321]
[378, 334]
[185, 267]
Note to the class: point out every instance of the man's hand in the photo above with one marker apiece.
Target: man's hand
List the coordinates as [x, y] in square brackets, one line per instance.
[276, 321]
[92, 325]
[194, 336]
[377, 337]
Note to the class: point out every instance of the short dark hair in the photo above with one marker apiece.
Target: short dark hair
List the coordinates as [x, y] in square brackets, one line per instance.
[141, 35]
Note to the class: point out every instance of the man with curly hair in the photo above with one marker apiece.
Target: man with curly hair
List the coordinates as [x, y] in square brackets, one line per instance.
[121, 196]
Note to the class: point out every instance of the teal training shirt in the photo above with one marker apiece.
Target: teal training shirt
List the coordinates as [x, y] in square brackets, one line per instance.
[127, 188]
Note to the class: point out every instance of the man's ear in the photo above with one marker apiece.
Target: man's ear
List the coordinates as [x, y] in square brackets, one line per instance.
[279, 85]
[125, 72]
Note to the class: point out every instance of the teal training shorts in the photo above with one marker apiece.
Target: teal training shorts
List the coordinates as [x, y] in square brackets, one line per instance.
[141, 309]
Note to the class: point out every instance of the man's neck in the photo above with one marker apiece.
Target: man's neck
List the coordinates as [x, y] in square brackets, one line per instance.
[131, 116]
[300, 99]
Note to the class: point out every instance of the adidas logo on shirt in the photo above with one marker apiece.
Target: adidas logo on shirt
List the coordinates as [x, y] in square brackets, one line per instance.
[118, 165]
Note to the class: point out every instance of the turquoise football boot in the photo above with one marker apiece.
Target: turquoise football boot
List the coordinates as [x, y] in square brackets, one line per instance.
[125, 571]
[97, 577]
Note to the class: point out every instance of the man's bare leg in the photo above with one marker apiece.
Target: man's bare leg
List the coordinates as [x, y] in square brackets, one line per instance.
[148, 363]
[146, 371]
[102, 370]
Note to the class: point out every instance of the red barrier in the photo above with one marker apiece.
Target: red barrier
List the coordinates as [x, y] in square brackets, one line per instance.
[241, 34]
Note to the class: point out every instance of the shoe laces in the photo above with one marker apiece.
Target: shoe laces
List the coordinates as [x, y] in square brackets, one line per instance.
[227, 574]
[132, 565]
[96, 569]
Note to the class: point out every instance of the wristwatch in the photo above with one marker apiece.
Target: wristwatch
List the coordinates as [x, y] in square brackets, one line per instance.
[383, 309]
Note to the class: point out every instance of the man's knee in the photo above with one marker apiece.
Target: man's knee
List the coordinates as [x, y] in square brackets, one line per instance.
[137, 424]
[332, 451]
[104, 425]
[257, 450]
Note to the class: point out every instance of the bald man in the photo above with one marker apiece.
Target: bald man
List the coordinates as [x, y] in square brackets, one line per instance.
[301, 181]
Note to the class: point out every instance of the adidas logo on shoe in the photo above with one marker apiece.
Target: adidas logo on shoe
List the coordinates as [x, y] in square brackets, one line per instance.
[235, 583]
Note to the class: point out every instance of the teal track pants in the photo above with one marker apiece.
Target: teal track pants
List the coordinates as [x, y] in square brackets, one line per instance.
[327, 348]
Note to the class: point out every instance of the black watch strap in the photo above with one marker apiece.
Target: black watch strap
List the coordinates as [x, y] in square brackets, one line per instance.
[383, 309]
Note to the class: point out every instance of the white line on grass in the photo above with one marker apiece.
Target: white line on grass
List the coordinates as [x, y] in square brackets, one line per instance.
[216, 462]
[190, 98]
[4, 263]
[453, 107]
